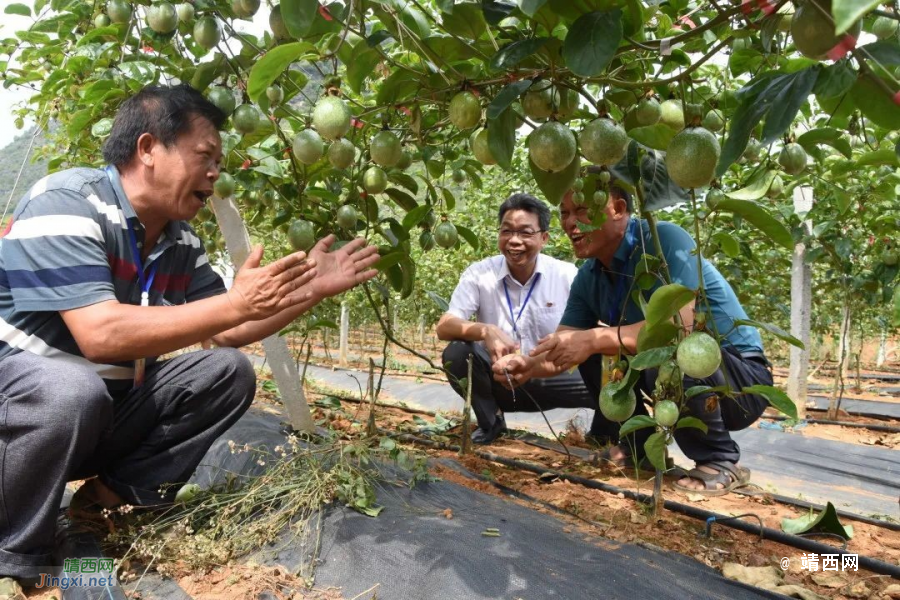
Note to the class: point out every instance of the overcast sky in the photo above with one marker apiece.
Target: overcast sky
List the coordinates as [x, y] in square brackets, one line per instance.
[9, 24]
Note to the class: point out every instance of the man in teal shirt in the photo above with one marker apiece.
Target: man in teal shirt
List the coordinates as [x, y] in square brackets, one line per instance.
[601, 318]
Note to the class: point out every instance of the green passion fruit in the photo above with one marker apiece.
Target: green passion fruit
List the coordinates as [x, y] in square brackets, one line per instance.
[465, 110]
[692, 156]
[308, 146]
[698, 355]
[603, 142]
[302, 235]
[615, 410]
[552, 146]
[331, 117]
[445, 234]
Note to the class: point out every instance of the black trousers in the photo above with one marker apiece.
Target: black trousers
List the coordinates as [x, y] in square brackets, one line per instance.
[728, 414]
[563, 391]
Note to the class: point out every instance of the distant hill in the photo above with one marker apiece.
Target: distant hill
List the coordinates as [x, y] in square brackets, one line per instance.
[11, 158]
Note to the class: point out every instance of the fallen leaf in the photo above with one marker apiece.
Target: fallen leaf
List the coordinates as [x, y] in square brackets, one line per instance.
[830, 580]
[696, 497]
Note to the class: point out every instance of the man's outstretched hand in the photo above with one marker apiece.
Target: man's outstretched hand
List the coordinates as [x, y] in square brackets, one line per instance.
[260, 292]
[519, 367]
[339, 270]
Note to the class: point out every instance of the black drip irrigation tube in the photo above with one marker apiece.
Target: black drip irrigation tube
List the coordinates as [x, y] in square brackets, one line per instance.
[801, 543]
[872, 426]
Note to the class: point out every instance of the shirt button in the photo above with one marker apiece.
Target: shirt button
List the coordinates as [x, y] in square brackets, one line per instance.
[140, 244]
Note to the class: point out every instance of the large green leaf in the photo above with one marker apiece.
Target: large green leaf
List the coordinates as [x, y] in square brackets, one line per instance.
[655, 448]
[273, 63]
[506, 96]
[824, 135]
[403, 200]
[415, 216]
[656, 336]
[694, 422]
[875, 103]
[666, 301]
[773, 329]
[761, 219]
[514, 53]
[756, 189]
[655, 136]
[777, 398]
[827, 521]
[17, 9]
[882, 53]
[531, 7]
[651, 359]
[727, 242]
[636, 422]
[502, 138]
[468, 235]
[440, 302]
[399, 86]
[848, 12]
[555, 185]
[298, 16]
[362, 64]
[466, 21]
[592, 42]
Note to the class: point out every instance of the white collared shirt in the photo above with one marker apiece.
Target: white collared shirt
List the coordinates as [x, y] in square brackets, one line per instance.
[480, 292]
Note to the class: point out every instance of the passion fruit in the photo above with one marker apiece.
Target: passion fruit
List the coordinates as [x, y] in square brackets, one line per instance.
[792, 159]
[459, 176]
[615, 410]
[347, 217]
[698, 355]
[162, 18]
[341, 153]
[276, 24]
[224, 186]
[648, 112]
[375, 180]
[445, 234]
[713, 197]
[385, 149]
[331, 118]
[714, 121]
[603, 142]
[890, 258]
[480, 148]
[776, 188]
[222, 98]
[672, 114]
[302, 235]
[666, 413]
[185, 12]
[405, 160]
[465, 110]
[669, 374]
[812, 29]
[552, 146]
[752, 150]
[207, 33]
[426, 241]
[275, 94]
[565, 100]
[885, 28]
[308, 147]
[119, 11]
[692, 156]
[245, 118]
[538, 101]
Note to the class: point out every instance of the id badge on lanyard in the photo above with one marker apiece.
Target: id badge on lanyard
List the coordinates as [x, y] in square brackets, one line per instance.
[146, 282]
[514, 319]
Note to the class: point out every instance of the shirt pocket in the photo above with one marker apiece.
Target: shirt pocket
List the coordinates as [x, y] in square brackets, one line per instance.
[546, 319]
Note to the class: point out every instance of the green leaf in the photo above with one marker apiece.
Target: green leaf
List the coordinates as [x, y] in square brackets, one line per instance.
[400, 85]
[636, 422]
[514, 53]
[761, 219]
[270, 67]
[730, 246]
[362, 64]
[666, 301]
[884, 156]
[502, 138]
[468, 235]
[17, 9]
[827, 521]
[655, 136]
[415, 216]
[882, 53]
[773, 329]
[835, 80]
[691, 422]
[441, 303]
[407, 181]
[449, 199]
[897, 306]
[848, 12]
[875, 103]
[655, 448]
[298, 16]
[466, 21]
[786, 103]
[531, 7]
[650, 359]
[555, 185]
[389, 260]
[507, 96]
[778, 399]
[756, 189]
[656, 336]
[79, 122]
[592, 42]
[403, 200]
[695, 390]
[369, 511]
[826, 135]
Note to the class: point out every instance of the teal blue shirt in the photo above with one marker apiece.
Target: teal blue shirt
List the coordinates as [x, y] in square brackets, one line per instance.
[604, 295]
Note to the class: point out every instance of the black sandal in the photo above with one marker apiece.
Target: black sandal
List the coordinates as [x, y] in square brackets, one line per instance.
[728, 474]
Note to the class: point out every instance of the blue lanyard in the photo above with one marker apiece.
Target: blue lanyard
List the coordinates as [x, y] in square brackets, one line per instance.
[145, 281]
[515, 319]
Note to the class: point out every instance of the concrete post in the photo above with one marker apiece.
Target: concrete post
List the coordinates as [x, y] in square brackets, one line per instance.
[801, 306]
[278, 355]
[882, 348]
[345, 333]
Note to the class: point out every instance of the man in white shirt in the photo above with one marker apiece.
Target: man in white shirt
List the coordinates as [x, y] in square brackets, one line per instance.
[517, 298]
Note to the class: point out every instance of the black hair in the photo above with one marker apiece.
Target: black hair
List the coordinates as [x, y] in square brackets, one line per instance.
[163, 112]
[528, 203]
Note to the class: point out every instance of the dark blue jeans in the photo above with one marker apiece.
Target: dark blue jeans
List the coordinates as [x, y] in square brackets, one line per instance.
[726, 414]
[58, 422]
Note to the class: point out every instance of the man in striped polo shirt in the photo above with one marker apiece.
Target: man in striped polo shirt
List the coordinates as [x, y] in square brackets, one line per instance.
[99, 274]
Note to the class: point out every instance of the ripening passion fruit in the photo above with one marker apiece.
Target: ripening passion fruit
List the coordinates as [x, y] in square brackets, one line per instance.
[698, 355]
[385, 149]
[207, 33]
[224, 185]
[812, 29]
[615, 410]
[480, 148]
[331, 118]
[666, 413]
[692, 156]
[552, 146]
[341, 153]
[603, 142]
[347, 217]
[465, 110]
[302, 235]
[792, 159]
[162, 18]
[445, 234]
[245, 118]
[375, 180]
[648, 112]
[308, 146]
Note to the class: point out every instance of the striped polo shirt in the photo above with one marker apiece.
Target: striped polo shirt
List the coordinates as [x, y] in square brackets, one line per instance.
[69, 246]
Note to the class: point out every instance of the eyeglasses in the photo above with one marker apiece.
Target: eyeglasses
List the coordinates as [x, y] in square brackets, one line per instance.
[525, 235]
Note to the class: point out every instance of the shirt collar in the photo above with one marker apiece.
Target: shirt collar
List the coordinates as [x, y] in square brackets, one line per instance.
[539, 267]
[172, 230]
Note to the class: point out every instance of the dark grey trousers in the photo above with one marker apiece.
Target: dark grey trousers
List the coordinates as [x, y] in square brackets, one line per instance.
[563, 391]
[58, 422]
